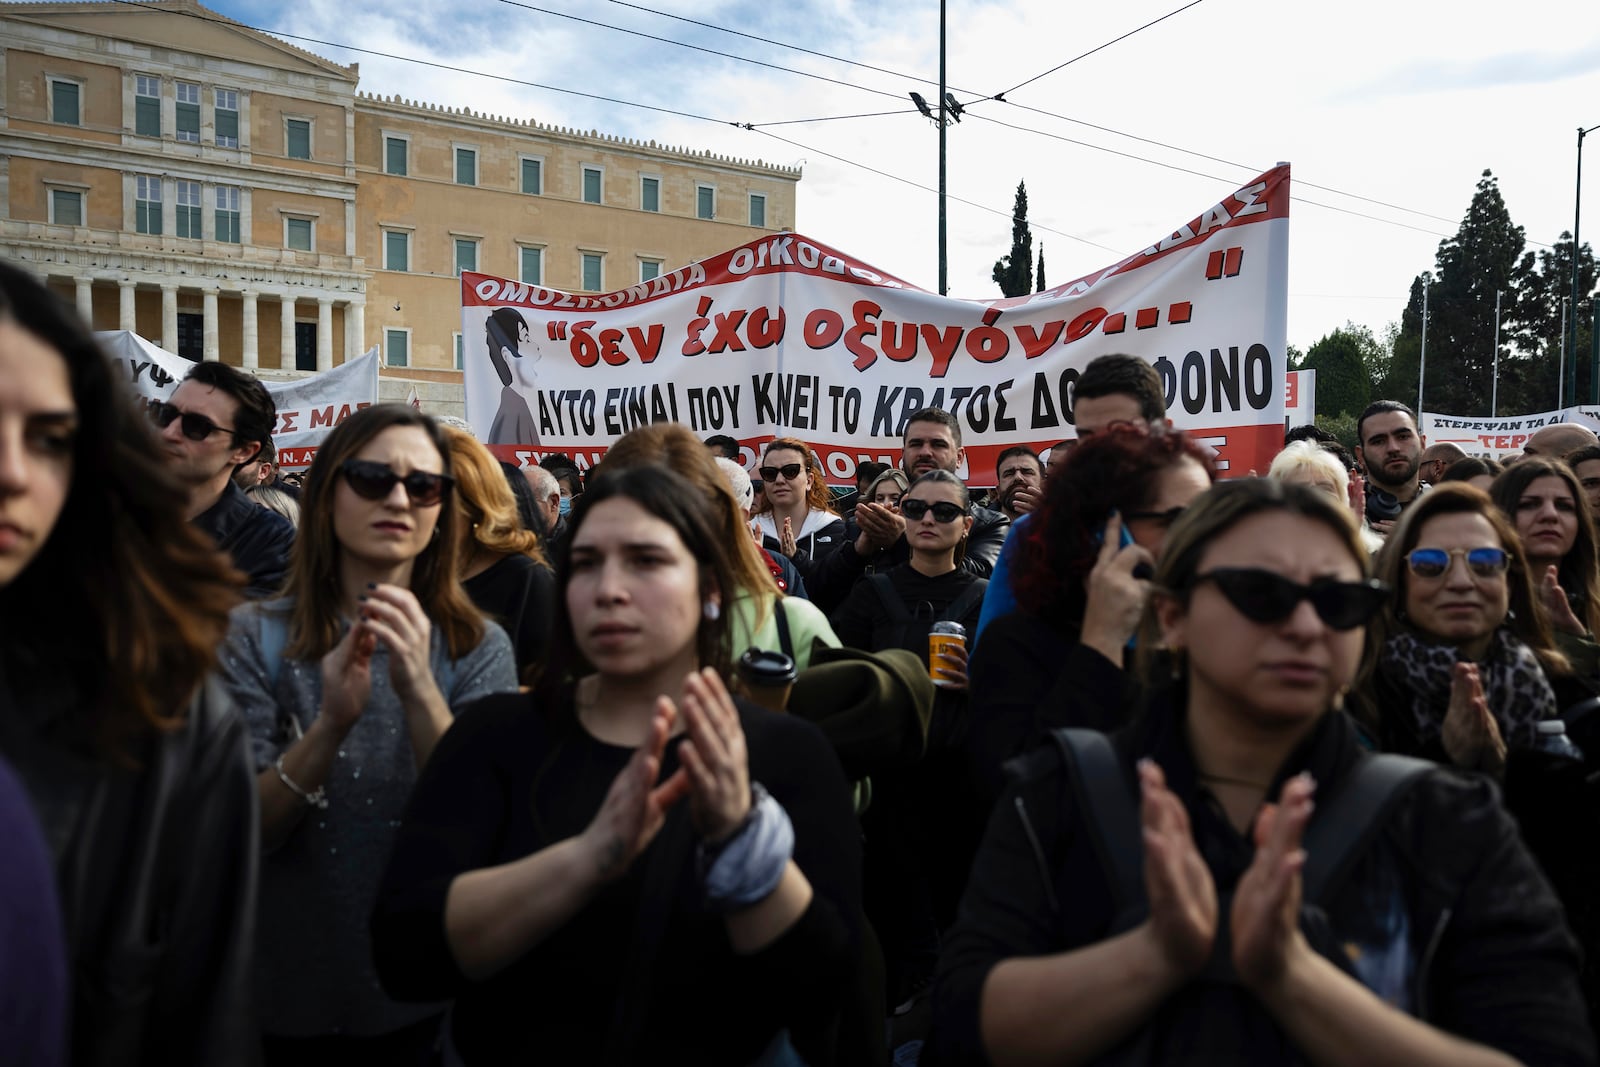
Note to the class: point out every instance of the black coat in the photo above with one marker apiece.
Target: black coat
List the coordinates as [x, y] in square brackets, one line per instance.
[258, 540]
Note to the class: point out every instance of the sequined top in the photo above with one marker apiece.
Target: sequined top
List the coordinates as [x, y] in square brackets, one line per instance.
[314, 970]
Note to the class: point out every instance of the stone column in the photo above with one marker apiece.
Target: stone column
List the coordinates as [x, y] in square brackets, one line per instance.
[324, 334]
[209, 346]
[252, 336]
[286, 342]
[85, 288]
[355, 330]
[169, 317]
[126, 320]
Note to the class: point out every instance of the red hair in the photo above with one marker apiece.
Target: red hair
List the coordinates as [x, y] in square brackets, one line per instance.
[1112, 471]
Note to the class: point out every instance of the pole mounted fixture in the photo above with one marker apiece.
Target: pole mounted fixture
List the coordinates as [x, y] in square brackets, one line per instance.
[922, 105]
[953, 106]
[1572, 381]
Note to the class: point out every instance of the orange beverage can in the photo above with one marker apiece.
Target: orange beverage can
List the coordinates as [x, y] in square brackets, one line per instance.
[941, 637]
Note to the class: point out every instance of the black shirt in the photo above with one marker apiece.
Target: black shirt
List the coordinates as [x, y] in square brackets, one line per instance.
[520, 595]
[258, 539]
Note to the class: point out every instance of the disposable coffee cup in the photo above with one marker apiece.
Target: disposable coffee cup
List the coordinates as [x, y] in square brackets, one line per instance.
[941, 637]
[768, 677]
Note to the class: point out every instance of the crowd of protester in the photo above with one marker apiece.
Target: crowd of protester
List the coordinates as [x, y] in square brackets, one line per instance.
[421, 758]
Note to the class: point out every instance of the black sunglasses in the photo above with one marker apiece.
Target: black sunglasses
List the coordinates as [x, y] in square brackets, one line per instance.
[195, 427]
[943, 511]
[1481, 562]
[791, 471]
[1266, 596]
[375, 481]
[1165, 518]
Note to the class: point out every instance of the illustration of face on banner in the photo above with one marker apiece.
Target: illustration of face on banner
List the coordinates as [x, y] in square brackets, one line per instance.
[788, 337]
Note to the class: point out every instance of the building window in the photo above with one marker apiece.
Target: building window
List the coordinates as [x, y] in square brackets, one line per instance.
[188, 112]
[705, 202]
[466, 255]
[226, 118]
[397, 348]
[649, 270]
[758, 210]
[191, 336]
[228, 214]
[593, 274]
[147, 205]
[146, 105]
[394, 156]
[533, 177]
[305, 346]
[592, 184]
[66, 207]
[461, 353]
[297, 234]
[189, 213]
[466, 166]
[396, 250]
[650, 194]
[64, 102]
[297, 138]
[532, 266]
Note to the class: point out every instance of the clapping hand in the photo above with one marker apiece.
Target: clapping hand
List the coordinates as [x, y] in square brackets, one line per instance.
[1470, 734]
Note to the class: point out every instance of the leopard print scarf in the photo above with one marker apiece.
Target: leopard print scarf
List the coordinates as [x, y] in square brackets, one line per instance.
[1514, 684]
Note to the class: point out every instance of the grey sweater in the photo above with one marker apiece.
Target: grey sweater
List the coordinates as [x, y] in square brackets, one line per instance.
[314, 969]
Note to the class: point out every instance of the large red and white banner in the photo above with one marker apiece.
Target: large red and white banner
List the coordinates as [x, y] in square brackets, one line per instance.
[1503, 437]
[786, 336]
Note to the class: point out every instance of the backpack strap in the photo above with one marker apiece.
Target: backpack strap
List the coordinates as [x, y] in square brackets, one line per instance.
[1101, 791]
[970, 596]
[1355, 814]
[785, 642]
[890, 599]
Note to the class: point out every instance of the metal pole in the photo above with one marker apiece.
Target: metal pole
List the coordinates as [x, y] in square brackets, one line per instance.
[1561, 367]
[1594, 347]
[1577, 206]
[1494, 391]
[1422, 361]
[944, 287]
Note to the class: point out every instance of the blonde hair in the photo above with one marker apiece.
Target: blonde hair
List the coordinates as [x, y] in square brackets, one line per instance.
[484, 500]
[1306, 457]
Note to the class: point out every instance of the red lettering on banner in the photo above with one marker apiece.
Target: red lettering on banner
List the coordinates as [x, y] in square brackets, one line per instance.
[1115, 323]
[1180, 313]
[1233, 261]
[1145, 318]
[1291, 391]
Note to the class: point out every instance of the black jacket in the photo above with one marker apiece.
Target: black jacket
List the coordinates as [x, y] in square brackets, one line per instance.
[1445, 891]
[156, 865]
[831, 577]
[258, 539]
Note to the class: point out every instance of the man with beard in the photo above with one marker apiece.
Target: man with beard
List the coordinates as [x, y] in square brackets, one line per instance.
[1018, 482]
[215, 423]
[875, 540]
[1390, 451]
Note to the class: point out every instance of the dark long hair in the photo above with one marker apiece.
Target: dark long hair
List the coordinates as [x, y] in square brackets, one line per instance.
[678, 503]
[118, 618]
[1579, 572]
[1114, 470]
[313, 579]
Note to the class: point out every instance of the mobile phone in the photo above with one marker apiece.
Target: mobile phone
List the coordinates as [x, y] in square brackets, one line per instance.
[1124, 538]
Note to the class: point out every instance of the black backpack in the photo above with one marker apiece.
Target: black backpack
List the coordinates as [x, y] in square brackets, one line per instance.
[1213, 1012]
[909, 630]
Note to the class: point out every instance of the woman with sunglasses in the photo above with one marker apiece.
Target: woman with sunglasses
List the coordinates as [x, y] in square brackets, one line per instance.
[113, 606]
[795, 509]
[347, 683]
[1439, 944]
[925, 820]
[1080, 574]
[629, 865]
[503, 569]
[1545, 500]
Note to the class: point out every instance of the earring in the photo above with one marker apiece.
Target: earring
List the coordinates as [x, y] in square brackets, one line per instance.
[1178, 663]
[712, 610]
[1337, 703]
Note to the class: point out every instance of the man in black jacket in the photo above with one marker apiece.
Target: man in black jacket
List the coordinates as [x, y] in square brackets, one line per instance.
[876, 538]
[215, 423]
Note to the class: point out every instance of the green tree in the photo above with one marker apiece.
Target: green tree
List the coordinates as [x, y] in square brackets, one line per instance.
[1481, 259]
[1535, 325]
[1014, 273]
[1341, 426]
[1344, 377]
[1039, 286]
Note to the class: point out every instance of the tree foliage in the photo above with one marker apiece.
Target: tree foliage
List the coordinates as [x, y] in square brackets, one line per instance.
[1039, 285]
[1346, 361]
[1014, 273]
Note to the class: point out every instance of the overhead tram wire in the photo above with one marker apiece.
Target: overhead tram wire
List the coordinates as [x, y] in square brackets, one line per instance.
[928, 188]
[756, 127]
[1096, 48]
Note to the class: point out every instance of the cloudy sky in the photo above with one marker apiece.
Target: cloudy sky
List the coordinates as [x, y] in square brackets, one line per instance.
[1389, 112]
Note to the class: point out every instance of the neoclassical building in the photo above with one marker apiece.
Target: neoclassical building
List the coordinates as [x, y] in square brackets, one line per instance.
[229, 196]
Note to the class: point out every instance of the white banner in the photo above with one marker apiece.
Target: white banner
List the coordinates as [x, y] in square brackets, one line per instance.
[1502, 437]
[307, 407]
[787, 336]
[1300, 398]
